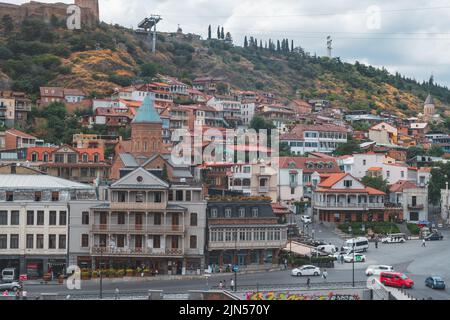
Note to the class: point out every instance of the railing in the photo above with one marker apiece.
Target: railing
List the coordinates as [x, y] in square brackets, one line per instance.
[136, 251]
[138, 228]
[263, 189]
[334, 205]
[416, 207]
[138, 205]
[247, 245]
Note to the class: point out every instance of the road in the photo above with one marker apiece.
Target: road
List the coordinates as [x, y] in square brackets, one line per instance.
[410, 258]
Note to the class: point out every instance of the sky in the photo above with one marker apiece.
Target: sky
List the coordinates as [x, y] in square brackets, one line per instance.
[407, 36]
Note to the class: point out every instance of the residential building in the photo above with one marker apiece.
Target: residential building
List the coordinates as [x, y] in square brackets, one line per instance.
[264, 179]
[247, 112]
[384, 134]
[300, 106]
[280, 116]
[34, 218]
[239, 178]
[15, 139]
[243, 231]
[228, 107]
[323, 138]
[411, 198]
[149, 222]
[342, 198]
[59, 94]
[207, 85]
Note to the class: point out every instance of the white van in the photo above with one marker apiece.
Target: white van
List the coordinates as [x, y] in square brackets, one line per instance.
[327, 248]
[9, 275]
[360, 244]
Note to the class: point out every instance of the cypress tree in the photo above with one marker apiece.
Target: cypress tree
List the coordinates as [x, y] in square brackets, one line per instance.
[209, 32]
[278, 46]
[245, 42]
[222, 34]
[218, 32]
[292, 45]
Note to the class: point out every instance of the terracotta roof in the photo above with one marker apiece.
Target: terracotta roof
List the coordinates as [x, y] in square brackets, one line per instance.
[402, 185]
[375, 169]
[425, 169]
[21, 134]
[369, 191]
[332, 179]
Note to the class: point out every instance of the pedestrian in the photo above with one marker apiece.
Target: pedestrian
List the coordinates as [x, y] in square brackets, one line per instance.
[117, 293]
[325, 274]
[225, 284]
[342, 258]
[220, 285]
[308, 283]
[376, 243]
[232, 285]
[424, 243]
[285, 264]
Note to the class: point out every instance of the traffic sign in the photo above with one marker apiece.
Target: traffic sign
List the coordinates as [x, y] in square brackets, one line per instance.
[235, 268]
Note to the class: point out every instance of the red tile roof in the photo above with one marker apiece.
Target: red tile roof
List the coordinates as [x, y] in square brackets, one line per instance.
[402, 185]
[21, 134]
[332, 179]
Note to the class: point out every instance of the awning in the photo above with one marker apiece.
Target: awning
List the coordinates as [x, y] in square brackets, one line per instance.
[299, 249]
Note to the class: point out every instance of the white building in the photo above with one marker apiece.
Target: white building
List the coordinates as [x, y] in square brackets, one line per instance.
[34, 216]
[411, 198]
[247, 112]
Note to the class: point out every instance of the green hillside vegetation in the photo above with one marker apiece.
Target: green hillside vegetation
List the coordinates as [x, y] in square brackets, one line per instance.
[98, 60]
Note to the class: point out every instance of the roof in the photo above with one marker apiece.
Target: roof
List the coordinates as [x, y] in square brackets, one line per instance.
[52, 92]
[429, 100]
[367, 190]
[147, 112]
[18, 181]
[332, 179]
[399, 186]
[375, 169]
[298, 130]
[309, 165]
[128, 160]
[21, 134]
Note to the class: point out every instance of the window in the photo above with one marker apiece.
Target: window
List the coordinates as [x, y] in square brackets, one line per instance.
[96, 158]
[40, 218]
[15, 218]
[45, 157]
[3, 241]
[156, 242]
[170, 195]
[364, 162]
[72, 158]
[85, 241]
[188, 195]
[292, 191]
[179, 195]
[414, 216]
[30, 241]
[39, 241]
[214, 213]
[388, 174]
[85, 218]
[85, 158]
[348, 183]
[55, 196]
[34, 157]
[194, 221]
[14, 241]
[157, 219]
[62, 241]
[158, 197]
[402, 174]
[59, 158]
[52, 241]
[9, 196]
[84, 172]
[38, 196]
[227, 212]
[30, 218]
[193, 242]
[121, 196]
[121, 218]
[140, 197]
[242, 212]
[52, 218]
[3, 218]
[254, 212]
[62, 218]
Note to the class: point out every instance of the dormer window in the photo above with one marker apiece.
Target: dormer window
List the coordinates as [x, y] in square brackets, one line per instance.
[214, 213]
[348, 183]
[227, 212]
[242, 212]
[255, 212]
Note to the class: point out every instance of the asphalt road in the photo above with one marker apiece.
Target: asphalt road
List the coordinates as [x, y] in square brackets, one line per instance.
[417, 262]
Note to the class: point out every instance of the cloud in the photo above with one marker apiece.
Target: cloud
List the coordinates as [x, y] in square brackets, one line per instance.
[414, 35]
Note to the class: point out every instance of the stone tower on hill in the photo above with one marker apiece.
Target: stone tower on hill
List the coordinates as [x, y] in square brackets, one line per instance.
[146, 130]
[429, 107]
[91, 5]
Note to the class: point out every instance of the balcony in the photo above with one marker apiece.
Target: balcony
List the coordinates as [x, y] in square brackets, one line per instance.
[140, 229]
[348, 206]
[246, 245]
[138, 206]
[151, 252]
[416, 207]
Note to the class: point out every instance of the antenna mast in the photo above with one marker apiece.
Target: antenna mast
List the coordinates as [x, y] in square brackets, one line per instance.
[147, 25]
[329, 46]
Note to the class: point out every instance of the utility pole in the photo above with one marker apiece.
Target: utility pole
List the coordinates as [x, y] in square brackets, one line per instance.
[329, 46]
[101, 273]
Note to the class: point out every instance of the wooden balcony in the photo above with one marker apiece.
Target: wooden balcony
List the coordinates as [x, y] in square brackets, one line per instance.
[138, 252]
[138, 229]
[138, 206]
[348, 206]
[229, 245]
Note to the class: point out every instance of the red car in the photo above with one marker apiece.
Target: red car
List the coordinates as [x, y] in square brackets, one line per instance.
[396, 279]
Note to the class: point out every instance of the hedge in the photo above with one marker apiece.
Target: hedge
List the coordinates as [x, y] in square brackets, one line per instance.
[377, 227]
[413, 228]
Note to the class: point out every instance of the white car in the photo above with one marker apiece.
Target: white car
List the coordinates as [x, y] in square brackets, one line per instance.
[306, 219]
[394, 238]
[306, 271]
[378, 269]
[358, 257]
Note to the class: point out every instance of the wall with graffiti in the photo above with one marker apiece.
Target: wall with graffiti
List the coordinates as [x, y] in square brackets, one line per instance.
[269, 296]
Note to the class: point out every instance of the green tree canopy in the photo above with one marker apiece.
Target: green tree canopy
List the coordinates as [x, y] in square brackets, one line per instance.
[149, 70]
[259, 123]
[376, 182]
[348, 148]
[439, 176]
[435, 151]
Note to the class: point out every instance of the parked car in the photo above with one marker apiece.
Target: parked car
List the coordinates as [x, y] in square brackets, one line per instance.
[306, 271]
[378, 269]
[434, 237]
[435, 283]
[358, 257]
[306, 219]
[360, 244]
[11, 286]
[394, 238]
[396, 279]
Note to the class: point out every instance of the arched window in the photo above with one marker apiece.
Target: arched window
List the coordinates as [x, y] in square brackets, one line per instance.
[45, 157]
[96, 158]
[34, 157]
[145, 145]
[85, 158]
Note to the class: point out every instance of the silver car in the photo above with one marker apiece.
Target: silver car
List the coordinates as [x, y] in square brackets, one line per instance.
[12, 286]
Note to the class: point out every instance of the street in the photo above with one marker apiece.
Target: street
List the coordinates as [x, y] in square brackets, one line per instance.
[417, 262]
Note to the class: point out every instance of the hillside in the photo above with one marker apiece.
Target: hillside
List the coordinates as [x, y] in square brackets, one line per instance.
[106, 57]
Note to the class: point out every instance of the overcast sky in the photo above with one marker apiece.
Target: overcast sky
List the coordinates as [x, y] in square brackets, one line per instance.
[410, 36]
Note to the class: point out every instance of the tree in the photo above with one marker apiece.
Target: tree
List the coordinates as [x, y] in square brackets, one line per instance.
[7, 24]
[376, 182]
[278, 46]
[285, 150]
[245, 42]
[222, 34]
[209, 32]
[435, 151]
[439, 176]
[413, 152]
[292, 45]
[259, 123]
[218, 32]
[149, 70]
[348, 148]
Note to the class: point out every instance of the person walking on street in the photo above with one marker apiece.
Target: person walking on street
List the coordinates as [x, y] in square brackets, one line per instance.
[232, 285]
[308, 282]
[424, 243]
[325, 275]
[376, 243]
[220, 285]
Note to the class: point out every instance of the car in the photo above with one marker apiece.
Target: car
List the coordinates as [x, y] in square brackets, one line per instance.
[394, 238]
[396, 279]
[435, 282]
[306, 219]
[378, 269]
[11, 286]
[434, 237]
[306, 271]
[358, 257]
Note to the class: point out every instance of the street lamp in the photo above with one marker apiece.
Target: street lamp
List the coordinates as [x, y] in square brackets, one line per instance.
[350, 231]
[101, 273]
